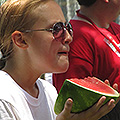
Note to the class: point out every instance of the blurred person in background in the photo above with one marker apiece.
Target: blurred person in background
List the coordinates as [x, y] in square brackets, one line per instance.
[95, 50]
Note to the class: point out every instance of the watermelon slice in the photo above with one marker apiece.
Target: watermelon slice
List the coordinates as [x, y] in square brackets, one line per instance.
[84, 92]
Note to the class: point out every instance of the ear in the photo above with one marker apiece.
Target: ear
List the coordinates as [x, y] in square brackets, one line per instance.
[18, 39]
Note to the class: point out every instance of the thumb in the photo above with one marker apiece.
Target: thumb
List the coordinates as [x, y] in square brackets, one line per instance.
[65, 114]
[67, 107]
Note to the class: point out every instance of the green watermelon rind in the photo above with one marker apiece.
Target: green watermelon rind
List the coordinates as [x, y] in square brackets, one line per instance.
[72, 90]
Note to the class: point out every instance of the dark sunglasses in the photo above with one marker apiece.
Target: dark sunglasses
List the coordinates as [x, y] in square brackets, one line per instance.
[58, 30]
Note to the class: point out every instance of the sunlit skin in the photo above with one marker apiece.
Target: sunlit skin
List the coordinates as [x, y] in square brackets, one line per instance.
[53, 57]
[40, 52]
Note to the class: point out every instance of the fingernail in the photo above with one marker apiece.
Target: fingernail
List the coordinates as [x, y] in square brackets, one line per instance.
[69, 101]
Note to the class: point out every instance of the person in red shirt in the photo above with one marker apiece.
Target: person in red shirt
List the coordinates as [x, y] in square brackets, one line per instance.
[91, 52]
[94, 50]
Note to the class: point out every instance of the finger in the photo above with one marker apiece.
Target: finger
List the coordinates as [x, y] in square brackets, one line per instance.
[100, 102]
[115, 86]
[107, 82]
[94, 109]
[111, 103]
[104, 110]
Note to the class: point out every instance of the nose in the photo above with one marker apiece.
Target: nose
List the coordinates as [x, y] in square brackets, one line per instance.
[68, 38]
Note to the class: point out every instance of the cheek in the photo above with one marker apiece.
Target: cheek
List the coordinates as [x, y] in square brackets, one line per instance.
[54, 61]
[39, 46]
[42, 41]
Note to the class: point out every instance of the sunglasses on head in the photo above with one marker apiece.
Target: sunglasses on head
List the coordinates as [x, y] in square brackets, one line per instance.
[58, 30]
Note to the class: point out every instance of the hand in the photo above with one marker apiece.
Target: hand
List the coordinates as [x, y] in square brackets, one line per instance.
[98, 110]
[115, 86]
[93, 113]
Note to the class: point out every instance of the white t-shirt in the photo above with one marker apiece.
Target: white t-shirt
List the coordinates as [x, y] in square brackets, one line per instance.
[48, 77]
[17, 104]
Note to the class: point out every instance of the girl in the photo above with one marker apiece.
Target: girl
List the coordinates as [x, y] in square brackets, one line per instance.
[34, 39]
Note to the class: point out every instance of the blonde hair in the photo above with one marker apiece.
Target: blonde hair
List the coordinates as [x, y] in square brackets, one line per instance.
[16, 15]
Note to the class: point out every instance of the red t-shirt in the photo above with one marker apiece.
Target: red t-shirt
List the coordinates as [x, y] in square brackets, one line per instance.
[90, 55]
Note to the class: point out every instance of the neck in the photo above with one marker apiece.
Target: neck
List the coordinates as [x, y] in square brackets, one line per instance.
[25, 78]
[98, 19]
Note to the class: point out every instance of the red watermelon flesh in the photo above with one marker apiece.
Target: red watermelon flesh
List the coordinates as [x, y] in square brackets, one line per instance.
[84, 92]
[94, 84]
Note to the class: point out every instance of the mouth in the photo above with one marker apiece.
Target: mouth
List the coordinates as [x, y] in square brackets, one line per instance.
[63, 53]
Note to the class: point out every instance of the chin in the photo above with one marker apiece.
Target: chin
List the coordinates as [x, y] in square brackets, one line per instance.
[62, 69]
